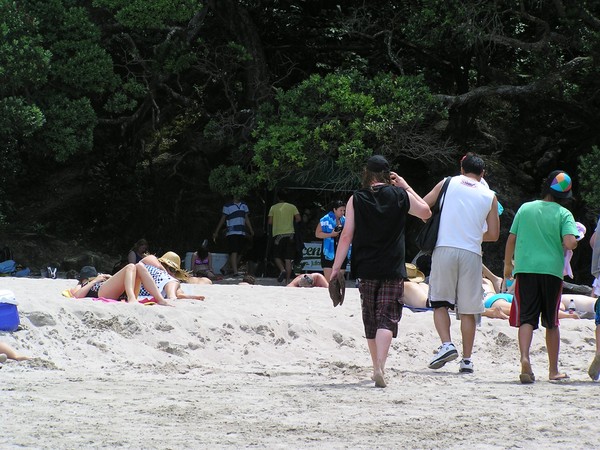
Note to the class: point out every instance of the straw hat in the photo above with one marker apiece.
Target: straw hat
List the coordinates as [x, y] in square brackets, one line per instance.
[172, 261]
[414, 274]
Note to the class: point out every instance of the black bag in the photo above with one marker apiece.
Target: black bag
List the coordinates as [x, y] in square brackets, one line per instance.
[427, 237]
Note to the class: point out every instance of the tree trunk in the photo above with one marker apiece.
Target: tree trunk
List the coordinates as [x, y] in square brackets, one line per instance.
[238, 21]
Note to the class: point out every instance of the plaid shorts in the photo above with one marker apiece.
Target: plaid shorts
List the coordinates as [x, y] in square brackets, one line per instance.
[381, 302]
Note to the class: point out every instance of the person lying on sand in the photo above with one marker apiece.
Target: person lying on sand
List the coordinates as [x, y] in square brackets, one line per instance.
[7, 352]
[497, 305]
[123, 284]
[167, 275]
[309, 280]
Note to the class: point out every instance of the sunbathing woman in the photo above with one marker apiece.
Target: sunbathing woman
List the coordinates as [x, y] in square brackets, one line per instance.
[167, 276]
[123, 284]
[309, 280]
[497, 305]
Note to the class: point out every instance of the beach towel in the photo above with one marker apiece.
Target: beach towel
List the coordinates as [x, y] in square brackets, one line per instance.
[144, 301]
[417, 309]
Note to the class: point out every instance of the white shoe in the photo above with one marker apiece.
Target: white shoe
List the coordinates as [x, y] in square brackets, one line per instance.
[445, 353]
[466, 366]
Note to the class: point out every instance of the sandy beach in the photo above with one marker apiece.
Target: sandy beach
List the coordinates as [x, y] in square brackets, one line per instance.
[274, 367]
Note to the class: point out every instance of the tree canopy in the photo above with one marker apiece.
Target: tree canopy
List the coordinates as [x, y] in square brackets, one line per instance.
[150, 110]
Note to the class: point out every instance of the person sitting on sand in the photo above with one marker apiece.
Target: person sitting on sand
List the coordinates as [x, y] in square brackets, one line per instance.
[7, 352]
[138, 251]
[309, 280]
[202, 264]
[123, 284]
[167, 274]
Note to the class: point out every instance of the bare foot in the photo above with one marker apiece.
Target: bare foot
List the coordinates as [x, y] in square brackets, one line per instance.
[373, 376]
[594, 370]
[558, 377]
[379, 379]
[526, 376]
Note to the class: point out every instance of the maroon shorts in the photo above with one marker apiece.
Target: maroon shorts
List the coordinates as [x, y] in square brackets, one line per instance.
[536, 294]
[381, 305]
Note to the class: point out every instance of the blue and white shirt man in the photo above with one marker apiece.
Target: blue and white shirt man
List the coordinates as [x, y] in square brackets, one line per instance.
[235, 213]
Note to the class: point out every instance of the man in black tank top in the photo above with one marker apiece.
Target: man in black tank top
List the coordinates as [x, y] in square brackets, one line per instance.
[375, 222]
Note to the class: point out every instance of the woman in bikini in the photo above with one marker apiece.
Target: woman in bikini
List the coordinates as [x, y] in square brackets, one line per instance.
[202, 264]
[167, 275]
[122, 285]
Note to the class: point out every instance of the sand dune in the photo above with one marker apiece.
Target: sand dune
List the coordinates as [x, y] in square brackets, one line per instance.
[273, 367]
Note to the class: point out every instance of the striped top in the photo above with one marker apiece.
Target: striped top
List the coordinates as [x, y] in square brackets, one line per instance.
[235, 215]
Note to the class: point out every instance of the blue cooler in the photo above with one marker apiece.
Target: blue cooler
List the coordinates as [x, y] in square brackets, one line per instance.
[9, 315]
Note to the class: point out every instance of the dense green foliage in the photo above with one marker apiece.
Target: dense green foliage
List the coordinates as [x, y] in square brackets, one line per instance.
[151, 110]
[589, 177]
[344, 117]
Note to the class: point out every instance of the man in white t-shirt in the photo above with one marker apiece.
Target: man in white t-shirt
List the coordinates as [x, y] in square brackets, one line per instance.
[469, 217]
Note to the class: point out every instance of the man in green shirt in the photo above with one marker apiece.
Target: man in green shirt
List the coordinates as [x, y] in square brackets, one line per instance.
[541, 232]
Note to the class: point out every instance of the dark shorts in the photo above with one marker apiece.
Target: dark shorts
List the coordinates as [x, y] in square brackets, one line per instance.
[236, 243]
[381, 305]
[536, 294]
[328, 264]
[597, 311]
[284, 248]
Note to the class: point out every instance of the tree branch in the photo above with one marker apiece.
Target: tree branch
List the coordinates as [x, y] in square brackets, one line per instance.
[589, 19]
[509, 90]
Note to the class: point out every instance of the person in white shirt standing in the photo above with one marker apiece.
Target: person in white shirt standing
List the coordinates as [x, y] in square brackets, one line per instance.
[469, 217]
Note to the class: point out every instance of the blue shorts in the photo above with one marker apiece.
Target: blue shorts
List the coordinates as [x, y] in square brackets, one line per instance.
[493, 298]
[597, 311]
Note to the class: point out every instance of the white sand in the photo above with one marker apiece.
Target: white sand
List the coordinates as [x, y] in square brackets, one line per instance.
[274, 367]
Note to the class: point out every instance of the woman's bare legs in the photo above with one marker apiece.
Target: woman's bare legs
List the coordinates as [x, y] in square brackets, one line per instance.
[583, 303]
[496, 280]
[144, 277]
[122, 281]
[415, 294]
[11, 353]
[152, 260]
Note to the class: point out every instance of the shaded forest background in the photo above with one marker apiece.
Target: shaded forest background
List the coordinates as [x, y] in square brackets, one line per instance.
[122, 119]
